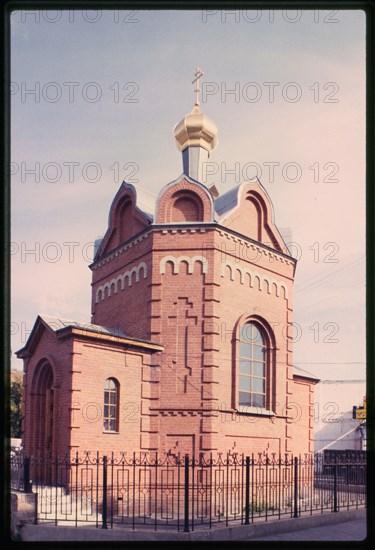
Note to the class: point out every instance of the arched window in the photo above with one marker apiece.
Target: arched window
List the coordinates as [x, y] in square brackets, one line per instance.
[111, 405]
[252, 366]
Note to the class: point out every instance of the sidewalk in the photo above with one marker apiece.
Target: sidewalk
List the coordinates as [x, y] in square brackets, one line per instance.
[349, 531]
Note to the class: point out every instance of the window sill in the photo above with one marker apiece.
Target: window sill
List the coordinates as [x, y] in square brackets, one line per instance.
[257, 411]
[110, 432]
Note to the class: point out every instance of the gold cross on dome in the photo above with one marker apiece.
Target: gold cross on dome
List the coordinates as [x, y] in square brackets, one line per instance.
[198, 74]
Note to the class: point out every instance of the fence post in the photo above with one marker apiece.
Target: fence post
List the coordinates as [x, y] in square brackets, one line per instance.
[26, 475]
[104, 511]
[335, 508]
[186, 516]
[295, 515]
[247, 491]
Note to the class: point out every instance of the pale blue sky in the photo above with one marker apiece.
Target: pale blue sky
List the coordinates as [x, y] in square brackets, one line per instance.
[159, 53]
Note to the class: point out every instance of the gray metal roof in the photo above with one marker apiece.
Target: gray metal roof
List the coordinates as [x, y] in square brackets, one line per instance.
[146, 201]
[302, 372]
[56, 323]
[226, 202]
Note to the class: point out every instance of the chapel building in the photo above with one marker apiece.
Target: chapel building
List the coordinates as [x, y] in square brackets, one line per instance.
[189, 347]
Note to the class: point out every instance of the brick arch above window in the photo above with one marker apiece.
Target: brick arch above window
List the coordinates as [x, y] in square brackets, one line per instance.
[48, 362]
[263, 325]
[184, 201]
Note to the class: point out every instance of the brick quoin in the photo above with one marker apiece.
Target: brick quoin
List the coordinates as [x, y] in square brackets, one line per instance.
[171, 291]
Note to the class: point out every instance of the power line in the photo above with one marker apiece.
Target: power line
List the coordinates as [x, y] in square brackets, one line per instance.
[331, 363]
[337, 274]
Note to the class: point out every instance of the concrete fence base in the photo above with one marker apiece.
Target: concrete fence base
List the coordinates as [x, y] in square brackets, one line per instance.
[46, 532]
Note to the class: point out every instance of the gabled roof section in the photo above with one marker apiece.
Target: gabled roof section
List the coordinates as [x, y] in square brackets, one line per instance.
[41, 324]
[225, 203]
[228, 213]
[145, 200]
[59, 325]
[302, 373]
[139, 216]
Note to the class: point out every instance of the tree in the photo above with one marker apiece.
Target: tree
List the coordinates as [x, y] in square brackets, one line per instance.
[15, 403]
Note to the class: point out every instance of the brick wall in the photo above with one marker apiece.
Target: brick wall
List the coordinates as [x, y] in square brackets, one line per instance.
[189, 287]
[58, 355]
[93, 364]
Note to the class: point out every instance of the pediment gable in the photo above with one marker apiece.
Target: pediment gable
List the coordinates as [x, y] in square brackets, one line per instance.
[131, 212]
[248, 209]
[41, 328]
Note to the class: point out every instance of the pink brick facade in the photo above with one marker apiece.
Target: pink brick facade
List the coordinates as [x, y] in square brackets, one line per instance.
[178, 292]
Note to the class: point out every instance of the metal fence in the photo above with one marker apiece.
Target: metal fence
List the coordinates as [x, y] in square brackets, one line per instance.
[181, 492]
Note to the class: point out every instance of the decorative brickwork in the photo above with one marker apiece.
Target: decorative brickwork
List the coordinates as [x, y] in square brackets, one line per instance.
[121, 281]
[189, 260]
[251, 278]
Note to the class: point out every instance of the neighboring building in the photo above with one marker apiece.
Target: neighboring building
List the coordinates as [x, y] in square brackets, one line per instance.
[15, 443]
[190, 343]
[335, 428]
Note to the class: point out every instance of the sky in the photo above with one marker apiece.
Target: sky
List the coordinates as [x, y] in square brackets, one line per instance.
[94, 99]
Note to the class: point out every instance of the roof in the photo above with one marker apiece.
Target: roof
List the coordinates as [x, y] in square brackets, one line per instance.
[146, 201]
[58, 325]
[297, 371]
[226, 202]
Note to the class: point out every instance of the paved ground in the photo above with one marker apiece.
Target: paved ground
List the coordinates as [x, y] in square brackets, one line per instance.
[345, 526]
[349, 531]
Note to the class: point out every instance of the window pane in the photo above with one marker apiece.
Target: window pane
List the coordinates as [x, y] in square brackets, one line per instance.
[245, 367]
[244, 349]
[258, 353]
[257, 400]
[110, 384]
[106, 411]
[113, 397]
[258, 369]
[244, 398]
[258, 385]
[112, 425]
[246, 332]
[106, 397]
[112, 411]
[244, 383]
[106, 424]
[256, 337]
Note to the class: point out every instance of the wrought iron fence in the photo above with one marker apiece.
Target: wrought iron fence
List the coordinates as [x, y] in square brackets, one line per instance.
[182, 492]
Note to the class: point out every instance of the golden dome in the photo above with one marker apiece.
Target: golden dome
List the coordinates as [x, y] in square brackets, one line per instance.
[196, 130]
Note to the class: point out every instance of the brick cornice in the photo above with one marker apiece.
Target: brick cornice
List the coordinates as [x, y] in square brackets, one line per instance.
[190, 227]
